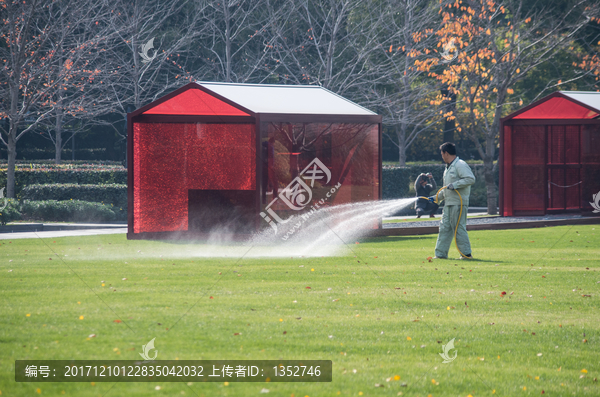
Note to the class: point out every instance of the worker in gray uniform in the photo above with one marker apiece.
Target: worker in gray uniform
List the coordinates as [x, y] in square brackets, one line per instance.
[458, 177]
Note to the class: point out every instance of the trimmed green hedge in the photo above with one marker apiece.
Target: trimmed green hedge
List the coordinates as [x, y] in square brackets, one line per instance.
[398, 182]
[395, 183]
[91, 176]
[67, 211]
[64, 163]
[10, 212]
[115, 194]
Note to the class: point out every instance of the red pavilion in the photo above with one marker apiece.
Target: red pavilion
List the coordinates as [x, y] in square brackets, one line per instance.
[234, 158]
[550, 155]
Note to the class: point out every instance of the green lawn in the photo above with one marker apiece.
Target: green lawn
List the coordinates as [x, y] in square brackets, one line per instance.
[388, 313]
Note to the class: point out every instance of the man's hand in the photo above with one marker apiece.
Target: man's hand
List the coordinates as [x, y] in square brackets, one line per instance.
[431, 199]
[450, 186]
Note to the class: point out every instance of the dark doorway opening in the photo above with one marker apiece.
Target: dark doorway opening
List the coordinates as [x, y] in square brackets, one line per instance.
[224, 211]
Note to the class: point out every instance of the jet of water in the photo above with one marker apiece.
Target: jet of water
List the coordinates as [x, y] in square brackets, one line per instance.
[324, 231]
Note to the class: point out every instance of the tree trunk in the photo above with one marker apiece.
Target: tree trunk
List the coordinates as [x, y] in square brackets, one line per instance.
[401, 134]
[58, 137]
[449, 125]
[490, 184]
[227, 42]
[12, 159]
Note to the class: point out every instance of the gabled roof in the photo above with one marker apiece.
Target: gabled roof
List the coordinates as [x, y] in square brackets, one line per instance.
[235, 99]
[286, 99]
[561, 105]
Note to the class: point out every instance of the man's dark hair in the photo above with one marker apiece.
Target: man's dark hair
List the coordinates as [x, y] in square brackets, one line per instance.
[449, 148]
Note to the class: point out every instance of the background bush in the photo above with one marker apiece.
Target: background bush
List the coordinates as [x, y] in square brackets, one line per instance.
[67, 211]
[10, 212]
[88, 174]
[398, 182]
[115, 194]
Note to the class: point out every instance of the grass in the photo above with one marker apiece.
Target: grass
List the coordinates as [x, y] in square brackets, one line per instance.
[389, 311]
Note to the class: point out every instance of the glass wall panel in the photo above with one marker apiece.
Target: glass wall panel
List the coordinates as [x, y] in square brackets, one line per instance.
[310, 165]
[176, 162]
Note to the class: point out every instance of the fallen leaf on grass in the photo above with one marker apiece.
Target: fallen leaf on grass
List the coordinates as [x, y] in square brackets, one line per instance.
[117, 321]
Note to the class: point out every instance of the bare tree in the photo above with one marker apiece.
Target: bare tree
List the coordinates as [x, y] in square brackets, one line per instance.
[400, 90]
[81, 97]
[43, 53]
[326, 43]
[235, 45]
[149, 56]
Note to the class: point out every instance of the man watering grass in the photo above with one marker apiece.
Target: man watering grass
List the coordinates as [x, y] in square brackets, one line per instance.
[458, 179]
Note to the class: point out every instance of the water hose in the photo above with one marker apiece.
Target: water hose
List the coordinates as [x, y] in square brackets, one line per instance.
[459, 215]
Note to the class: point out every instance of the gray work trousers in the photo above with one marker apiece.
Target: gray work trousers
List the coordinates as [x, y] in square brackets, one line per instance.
[446, 234]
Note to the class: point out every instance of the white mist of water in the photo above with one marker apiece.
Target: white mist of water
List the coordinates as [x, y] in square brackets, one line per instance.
[325, 231]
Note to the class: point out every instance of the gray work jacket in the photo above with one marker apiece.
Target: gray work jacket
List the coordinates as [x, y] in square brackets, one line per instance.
[459, 174]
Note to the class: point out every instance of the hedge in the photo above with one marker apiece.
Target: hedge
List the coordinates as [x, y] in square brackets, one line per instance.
[115, 194]
[64, 163]
[398, 182]
[67, 211]
[10, 211]
[82, 176]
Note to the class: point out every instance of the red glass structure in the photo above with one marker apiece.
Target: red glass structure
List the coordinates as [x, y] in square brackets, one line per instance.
[238, 157]
[550, 155]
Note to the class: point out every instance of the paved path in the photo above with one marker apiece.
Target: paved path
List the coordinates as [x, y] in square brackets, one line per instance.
[419, 226]
[61, 233]
[484, 221]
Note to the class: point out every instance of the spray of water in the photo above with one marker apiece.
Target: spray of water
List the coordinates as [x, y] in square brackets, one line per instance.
[324, 231]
